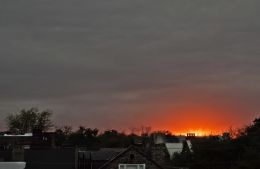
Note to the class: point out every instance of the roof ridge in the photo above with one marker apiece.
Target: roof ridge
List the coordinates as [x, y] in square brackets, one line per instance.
[137, 150]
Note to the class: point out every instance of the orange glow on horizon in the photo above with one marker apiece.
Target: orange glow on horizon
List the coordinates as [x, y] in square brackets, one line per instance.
[198, 132]
[199, 119]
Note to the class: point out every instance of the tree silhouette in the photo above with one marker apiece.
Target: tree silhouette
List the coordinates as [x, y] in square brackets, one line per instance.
[28, 119]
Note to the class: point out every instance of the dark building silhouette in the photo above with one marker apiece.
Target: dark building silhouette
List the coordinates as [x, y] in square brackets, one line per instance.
[55, 158]
[131, 158]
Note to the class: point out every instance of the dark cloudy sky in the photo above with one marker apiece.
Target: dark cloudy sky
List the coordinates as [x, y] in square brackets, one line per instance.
[176, 64]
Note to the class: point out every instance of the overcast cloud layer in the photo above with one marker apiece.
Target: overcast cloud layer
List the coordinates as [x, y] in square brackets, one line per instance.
[119, 63]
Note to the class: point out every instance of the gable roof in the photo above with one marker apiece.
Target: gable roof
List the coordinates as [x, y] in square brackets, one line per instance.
[102, 154]
[189, 145]
[124, 152]
[173, 148]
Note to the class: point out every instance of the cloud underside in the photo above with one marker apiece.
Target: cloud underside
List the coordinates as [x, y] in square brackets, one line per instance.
[115, 64]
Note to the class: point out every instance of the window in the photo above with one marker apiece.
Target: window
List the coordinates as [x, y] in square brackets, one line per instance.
[131, 166]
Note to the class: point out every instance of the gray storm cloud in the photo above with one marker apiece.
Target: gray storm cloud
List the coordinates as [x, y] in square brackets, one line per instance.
[105, 63]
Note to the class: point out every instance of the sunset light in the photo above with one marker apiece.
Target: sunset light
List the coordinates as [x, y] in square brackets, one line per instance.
[130, 84]
[198, 132]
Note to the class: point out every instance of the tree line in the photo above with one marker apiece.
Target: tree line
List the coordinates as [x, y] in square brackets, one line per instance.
[29, 120]
[242, 151]
[239, 151]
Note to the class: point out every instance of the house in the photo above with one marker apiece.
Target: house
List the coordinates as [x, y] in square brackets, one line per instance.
[94, 159]
[174, 148]
[37, 150]
[131, 158]
[53, 158]
[8, 141]
[37, 139]
[177, 148]
[172, 144]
